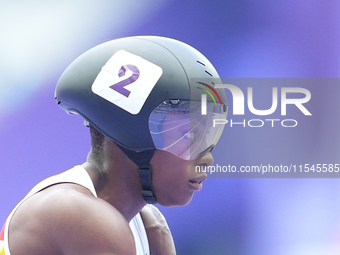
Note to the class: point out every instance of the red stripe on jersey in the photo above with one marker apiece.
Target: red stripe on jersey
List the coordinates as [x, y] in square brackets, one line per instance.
[2, 234]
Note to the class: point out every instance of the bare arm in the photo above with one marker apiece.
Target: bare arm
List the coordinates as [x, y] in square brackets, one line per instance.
[158, 232]
[62, 220]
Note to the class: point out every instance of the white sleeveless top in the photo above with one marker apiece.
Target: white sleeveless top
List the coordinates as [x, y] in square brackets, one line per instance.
[78, 175]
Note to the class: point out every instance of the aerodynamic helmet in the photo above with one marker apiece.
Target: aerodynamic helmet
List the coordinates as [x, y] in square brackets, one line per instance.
[145, 93]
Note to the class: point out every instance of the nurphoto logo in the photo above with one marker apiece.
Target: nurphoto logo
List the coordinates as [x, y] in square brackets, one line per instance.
[294, 97]
[204, 97]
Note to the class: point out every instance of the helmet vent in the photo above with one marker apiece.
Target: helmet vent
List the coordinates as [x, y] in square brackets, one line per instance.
[204, 65]
[200, 63]
[208, 73]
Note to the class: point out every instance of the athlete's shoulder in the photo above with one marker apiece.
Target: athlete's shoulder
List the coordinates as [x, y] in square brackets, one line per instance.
[68, 219]
[158, 232]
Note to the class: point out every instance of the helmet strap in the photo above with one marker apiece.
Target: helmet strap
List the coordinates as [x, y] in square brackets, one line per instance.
[142, 160]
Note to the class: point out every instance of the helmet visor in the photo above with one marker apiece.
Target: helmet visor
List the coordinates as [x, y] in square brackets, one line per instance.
[180, 128]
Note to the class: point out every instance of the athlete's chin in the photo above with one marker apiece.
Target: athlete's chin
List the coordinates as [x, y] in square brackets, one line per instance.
[182, 201]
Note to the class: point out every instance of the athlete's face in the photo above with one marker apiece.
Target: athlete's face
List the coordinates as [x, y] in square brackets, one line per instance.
[174, 179]
[183, 130]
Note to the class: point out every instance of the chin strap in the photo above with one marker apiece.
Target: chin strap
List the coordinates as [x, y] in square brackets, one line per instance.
[147, 191]
[142, 160]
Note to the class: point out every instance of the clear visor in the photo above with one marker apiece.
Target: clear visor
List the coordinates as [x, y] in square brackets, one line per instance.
[180, 127]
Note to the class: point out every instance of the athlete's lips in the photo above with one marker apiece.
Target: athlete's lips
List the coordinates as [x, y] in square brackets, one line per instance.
[196, 183]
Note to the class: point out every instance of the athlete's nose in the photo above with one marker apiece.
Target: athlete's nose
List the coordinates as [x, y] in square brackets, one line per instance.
[205, 159]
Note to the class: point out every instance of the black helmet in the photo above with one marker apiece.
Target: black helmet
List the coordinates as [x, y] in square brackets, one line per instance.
[126, 87]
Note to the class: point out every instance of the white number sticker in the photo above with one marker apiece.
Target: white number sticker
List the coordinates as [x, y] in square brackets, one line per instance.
[127, 80]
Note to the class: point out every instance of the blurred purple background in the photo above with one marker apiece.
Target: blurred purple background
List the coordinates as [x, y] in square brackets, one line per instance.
[243, 39]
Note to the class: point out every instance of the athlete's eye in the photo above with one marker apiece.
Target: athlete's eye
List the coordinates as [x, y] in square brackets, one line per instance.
[191, 135]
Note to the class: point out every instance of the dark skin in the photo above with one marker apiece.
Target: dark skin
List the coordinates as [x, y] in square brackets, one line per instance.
[67, 219]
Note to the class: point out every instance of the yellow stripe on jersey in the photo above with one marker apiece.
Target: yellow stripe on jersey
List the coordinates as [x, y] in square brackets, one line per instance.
[2, 251]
